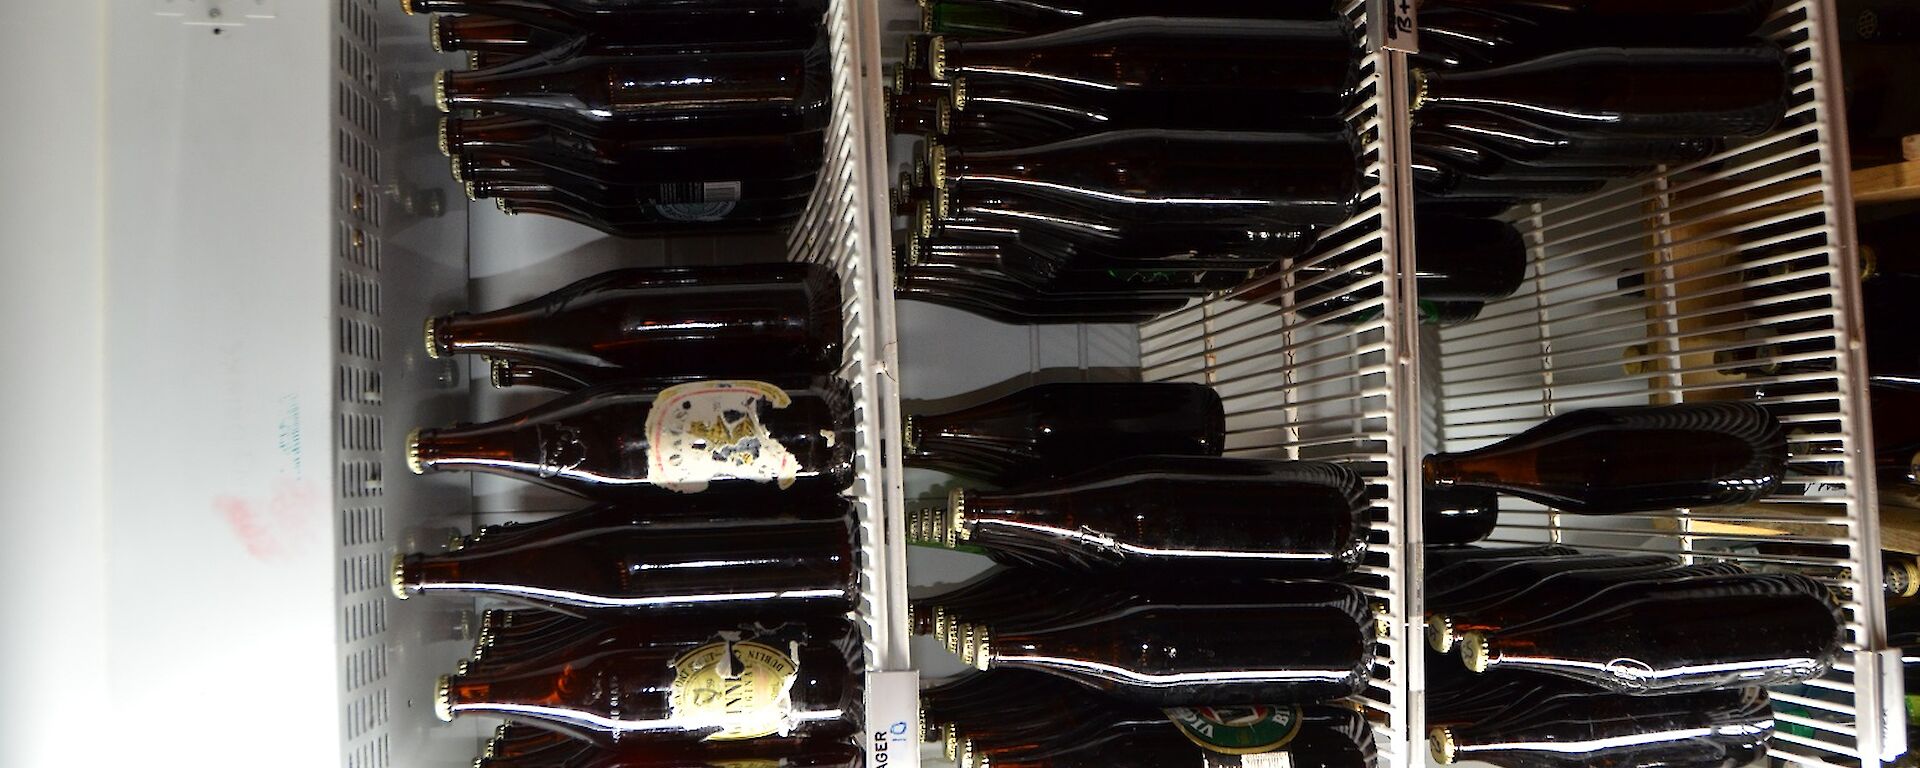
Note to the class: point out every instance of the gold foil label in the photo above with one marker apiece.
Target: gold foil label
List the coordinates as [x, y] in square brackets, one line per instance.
[711, 430]
[744, 689]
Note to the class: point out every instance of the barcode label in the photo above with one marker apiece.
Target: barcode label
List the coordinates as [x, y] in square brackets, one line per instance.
[1267, 760]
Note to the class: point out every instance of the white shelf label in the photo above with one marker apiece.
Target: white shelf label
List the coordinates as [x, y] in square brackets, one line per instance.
[893, 720]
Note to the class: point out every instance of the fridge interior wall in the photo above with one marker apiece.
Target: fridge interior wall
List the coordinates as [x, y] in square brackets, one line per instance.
[1733, 254]
[1321, 385]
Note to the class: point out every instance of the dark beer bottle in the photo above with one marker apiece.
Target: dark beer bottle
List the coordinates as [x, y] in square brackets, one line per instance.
[480, 147]
[1706, 729]
[766, 752]
[1520, 142]
[1685, 634]
[989, 19]
[1625, 92]
[760, 319]
[1456, 696]
[1560, 585]
[1496, 579]
[1050, 431]
[1460, 260]
[622, 442]
[661, 96]
[1035, 272]
[1016, 304]
[515, 742]
[1470, 160]
[700, 213]
[1304, 641]
[1453, 562]
[994, 113]
[503, 374]
[1432, 181]
[1452, 516]
[724, 202]
[722, 691]
[585, 638]
[617, 516]
[1630, 459]
[981, 278]
[511, 37]
[712, 17]
[1172, 176]
[1579, 23]
[1083, 240]
[617, 184]
[771, 567]
[1169, 515]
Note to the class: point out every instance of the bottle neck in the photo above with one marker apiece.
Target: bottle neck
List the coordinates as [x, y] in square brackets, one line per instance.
[459, 132]
[507, 373]
[486, 33]
[542, 449]
[489, 333]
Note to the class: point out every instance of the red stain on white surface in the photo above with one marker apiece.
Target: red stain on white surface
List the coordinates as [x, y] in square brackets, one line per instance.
[270, 526]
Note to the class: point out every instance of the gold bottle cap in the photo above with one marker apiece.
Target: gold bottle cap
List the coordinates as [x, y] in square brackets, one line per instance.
[443, 141]
[966, 753]
[982, 649]
[957, 517]
[1911, 570]
[485, 755]
[952, 638]
[443, 699]
[1420, 93]
[1440, 633]
[433, 338]
[433, 33]
[1382, 621]
[473, 193]
[479, 652]
[1440, 745]
[456, 542]
[937, 166]
[923, 222]
[453, 163]
[1869, 262]
[943, 117]
[940, 620]
[958, 91]
[394, 578]
[460, 667]
[473, 59]
[915, 249]
[497, 370]
[1474, 651]
[407, 5]
[967, 631]
[909, 435]
[501, 203]
[950, 746]
[983, 760]
[1637, 367]
[440, 91]
[414, 464]
[937, 57]
[942, 203]
[926, 18]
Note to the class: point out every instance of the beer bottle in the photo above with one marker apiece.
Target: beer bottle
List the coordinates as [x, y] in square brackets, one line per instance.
[516, 742]
[1085, 731]
[1520, 142]
[1460, 260]
[759, 319]
[981, 280]
[1302, 641]
[1050, 431]
[661, 96]
[1630, 459]
[586, 638]
[504, 374]
[1016, 304]
[1884, 247]
[702, 508]
[512, 38]
[1470, 160]
[1644, 92]
[1456, 696]
[665, 203]
[698, 214]
[1442, 562]
[1458, 515]
[620, 442]
[1580, 23]
[651, 183]
[722, 691]
[1433, 181]
[771, 566]
[507, 140]
[710, 17]
[1171, 176]
[1083, 240]
[991, 19]
[1037, 273]
[1177, 515]
[1561, 584]
[1892, 351]
[1679, 635]
[1705, 729]
[769, 752]
[1496, 579]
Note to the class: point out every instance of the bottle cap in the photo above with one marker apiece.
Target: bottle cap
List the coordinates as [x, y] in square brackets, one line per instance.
[454, 163]
[1440, 633]
[1909, 577]
[1382, 621]
[950, 746]
[501, 203]
[497, 372]
[937, 166]
[440, 91]
[943, 117]
[473, 59]
[937, 57]
[923, 221]
[1419, 77]
[460, 667]
[957, 517]
[407, 5]
[433, 338]
[982, 649]
[1474, 652]
[443, 699]
[958, 92]
[456, 542]
[395, 574]
[966, 754]
[1913, 467]
[413, 453]
[1440, 744]
[444, 143]
[473, 193]
[909, 436]
[433, 33]
[1869, 262]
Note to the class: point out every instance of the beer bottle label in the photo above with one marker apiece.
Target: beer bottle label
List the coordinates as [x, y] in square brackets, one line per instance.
[742, 688]
[1243, 732]
[698, 200]
[709, 430]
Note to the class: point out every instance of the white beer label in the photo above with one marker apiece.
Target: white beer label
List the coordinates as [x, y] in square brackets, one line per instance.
[711, 430]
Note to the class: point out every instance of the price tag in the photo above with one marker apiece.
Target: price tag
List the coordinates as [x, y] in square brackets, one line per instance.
[893, 719]
[1398, 29]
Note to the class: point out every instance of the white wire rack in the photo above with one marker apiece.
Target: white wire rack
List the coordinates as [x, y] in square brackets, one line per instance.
[1314, 364]
[1729, 278]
